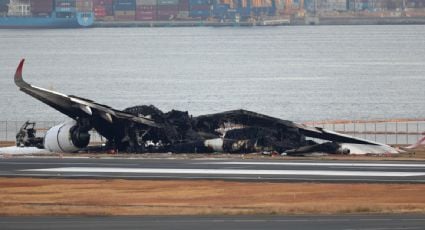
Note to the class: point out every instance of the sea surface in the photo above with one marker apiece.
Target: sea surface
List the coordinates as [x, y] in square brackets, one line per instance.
[304, 73]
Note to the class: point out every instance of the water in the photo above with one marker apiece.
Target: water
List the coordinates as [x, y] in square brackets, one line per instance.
[296, 73]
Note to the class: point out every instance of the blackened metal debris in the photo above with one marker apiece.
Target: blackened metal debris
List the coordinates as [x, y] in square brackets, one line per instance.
[147, 129]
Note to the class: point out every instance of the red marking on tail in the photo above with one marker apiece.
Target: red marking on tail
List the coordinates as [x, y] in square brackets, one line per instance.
[18, 74]
[417, 144]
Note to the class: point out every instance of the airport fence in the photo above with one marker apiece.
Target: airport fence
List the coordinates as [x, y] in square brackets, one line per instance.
[393, 132]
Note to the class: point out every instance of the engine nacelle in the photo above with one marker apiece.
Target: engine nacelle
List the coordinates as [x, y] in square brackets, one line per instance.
[66, 138]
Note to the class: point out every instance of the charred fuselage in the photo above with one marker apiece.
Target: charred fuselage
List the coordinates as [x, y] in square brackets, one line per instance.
[235, 131]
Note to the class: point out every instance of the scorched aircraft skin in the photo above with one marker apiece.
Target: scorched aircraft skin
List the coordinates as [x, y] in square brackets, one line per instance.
[147, 129]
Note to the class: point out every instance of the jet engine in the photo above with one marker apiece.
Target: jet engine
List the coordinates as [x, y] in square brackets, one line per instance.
[66, 138]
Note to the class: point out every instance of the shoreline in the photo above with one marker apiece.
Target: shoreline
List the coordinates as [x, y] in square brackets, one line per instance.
[318, 21]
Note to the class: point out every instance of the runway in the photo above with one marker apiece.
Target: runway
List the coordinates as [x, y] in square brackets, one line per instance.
[240, 170]
[360, 222]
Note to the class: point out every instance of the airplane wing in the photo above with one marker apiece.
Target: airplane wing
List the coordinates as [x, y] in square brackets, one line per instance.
[320, 133]
[255, 119]
[76, 107]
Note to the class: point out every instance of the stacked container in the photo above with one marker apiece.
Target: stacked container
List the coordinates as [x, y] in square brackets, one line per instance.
[183, 9]
[200, 8]
[41, 7]
[146, 10]
[19, 8]
[102, 9]
[232, 9]
[4, 7]
[84, 5]
[65, 5]
[415, 3]
[244, 8]
[167, 9]
[221, 10]
[125, 10]
[333, 5]
[358, 5]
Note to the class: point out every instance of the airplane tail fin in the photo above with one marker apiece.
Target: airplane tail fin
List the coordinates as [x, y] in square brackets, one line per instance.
[417, 144]
[19, 81]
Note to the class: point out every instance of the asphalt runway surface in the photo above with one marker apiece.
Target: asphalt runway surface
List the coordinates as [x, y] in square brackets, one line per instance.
[225, 169]
[360, 222]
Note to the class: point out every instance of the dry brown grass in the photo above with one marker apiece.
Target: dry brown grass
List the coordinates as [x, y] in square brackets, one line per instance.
[24, 196]
[416, 153]
[7, 143]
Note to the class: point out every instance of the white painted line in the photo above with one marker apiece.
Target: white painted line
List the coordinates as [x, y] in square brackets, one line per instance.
[313, 164]
[246, 178]
[61, 163]
[227, 171]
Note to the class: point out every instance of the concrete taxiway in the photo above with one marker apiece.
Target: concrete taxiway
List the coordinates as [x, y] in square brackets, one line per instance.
[360, 222]
[244, 170]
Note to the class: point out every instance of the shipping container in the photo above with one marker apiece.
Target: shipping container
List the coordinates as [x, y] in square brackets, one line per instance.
[166, 15]
[146, 7]
[231, 3]
[167, 12]
[244, 12]
[4, 7]
[65, 9]
[146, 16]
[4, 2]
[261, 3]
[124, 2]
[124, 5]
[99, 11]
[245, 3]
[199, 2]
[183, 14]
[359, 5]
[415, 3]
[19, 8]
[200, 7]
[125, 15]
[65, 3]
[41, 7]
[146, 12]
[102, 8]
[200, 13]
[334, 5]
[167, 2]
[184, 6]
[102, 2]
[220, 10]
[146, 2]
[103, 11]
[262, 11]
[168, 7]
[84, 5]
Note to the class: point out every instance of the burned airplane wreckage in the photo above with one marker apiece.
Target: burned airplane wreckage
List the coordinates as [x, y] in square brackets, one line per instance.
[147, 129]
